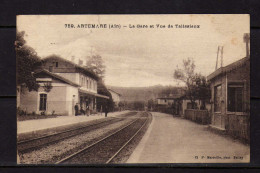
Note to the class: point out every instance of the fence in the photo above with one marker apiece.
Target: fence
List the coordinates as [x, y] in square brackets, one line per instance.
[239, 126]
[199, 116]
[164, 109]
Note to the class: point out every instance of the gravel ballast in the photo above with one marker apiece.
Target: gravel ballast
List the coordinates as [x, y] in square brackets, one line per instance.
[52, 153]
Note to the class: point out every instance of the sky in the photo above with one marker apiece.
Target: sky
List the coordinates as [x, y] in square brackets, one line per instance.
[139, 57]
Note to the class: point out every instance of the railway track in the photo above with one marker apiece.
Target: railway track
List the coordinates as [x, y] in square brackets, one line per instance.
[43, 141]
[107, 149]
[127, 114]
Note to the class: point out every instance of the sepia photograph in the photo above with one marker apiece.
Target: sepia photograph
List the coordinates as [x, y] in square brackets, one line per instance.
[133, 89]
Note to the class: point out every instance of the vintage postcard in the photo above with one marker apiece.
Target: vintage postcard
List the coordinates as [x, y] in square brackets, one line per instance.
[111, 89]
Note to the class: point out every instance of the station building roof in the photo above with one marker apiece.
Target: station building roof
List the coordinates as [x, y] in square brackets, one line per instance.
[114, 92]
[43, 71]
[78, 67]
[228, 68]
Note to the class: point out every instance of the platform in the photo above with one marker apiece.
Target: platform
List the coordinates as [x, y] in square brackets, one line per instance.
[175, 140]
[41, 124]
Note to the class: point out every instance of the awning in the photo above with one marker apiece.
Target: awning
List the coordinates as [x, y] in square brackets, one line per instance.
[93, 94]
[102, 96]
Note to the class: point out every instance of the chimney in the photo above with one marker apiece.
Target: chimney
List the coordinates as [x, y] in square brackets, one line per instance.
[72, 58]
[247, 40]
[80, 62]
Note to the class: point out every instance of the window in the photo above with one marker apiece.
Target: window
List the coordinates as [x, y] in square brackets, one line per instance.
[50, 68]
[235, 98]
[43, 101]
[55, 64]
[217, 98]
[82, 81]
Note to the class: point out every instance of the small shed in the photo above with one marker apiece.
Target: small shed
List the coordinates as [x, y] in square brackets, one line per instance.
[230, 97]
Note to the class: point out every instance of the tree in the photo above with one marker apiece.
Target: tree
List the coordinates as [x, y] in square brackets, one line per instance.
[26, 59]
[122, 105]
[186, 75]
[138, 105]
[197, 87]
[101, 102]
[202, 90]
[151, 104]
[171, 90]
[96, 64]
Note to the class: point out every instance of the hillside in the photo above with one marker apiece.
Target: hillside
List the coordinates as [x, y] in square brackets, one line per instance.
[131, 94]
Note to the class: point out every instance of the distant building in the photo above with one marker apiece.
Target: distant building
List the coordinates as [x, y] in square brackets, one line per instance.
[184, 103]
[68, 84]
[115, 96]
[165, 100]
[230, 97]
[178, 103]
[167, 103]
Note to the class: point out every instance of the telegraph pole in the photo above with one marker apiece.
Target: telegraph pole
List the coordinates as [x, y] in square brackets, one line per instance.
[220, 49]
[222, 56]
[217, 60]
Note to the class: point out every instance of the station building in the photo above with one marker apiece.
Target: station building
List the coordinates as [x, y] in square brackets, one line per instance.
[230, 98]
[115, 96]
[63, 84]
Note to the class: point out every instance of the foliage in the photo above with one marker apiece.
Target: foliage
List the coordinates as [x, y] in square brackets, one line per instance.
[122, 104]
[197, 87]
[101, 89]
[36, 116]
[151, 104]
[21, 112]
[202, 91]
[96, 64]
[47, 86]
[186, 75]
[139, 105]
[26, 58]
[171, 91]
[135, 105]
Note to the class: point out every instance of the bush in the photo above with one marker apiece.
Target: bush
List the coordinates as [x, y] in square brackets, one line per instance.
[21, 112]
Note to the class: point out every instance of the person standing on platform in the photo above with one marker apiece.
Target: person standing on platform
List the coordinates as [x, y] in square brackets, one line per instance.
[76, 107]
[82, 111]
[87, 110]
[106, 110]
